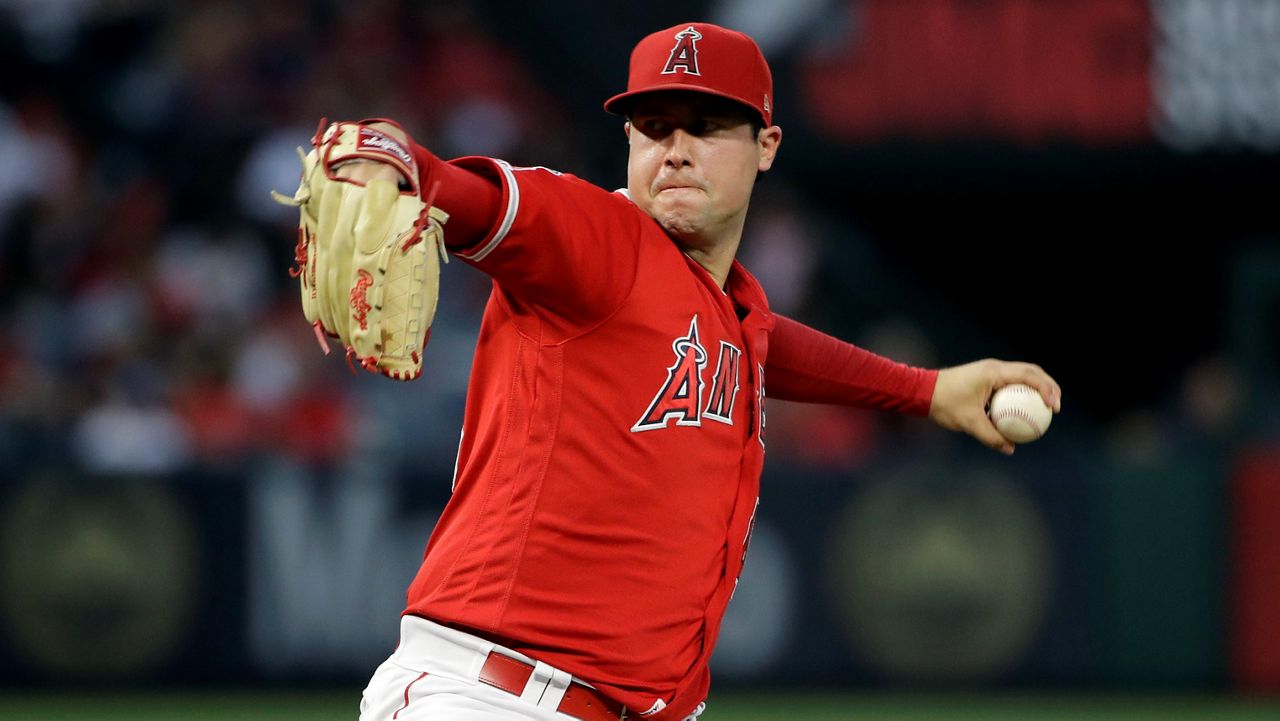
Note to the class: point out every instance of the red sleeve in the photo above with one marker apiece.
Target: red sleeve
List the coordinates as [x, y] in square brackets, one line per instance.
[809, 366]
[562, 251]
[471, 200]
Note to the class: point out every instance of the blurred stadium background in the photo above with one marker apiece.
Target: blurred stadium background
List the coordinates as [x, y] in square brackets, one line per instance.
[198, 520]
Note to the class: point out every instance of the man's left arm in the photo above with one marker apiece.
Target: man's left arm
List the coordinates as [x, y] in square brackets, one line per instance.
[809, 366]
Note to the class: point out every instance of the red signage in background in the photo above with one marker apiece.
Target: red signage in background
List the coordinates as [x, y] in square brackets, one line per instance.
[1023, 70]
[1255, 592]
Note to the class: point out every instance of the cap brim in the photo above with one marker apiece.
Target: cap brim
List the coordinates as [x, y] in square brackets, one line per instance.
[621, 104]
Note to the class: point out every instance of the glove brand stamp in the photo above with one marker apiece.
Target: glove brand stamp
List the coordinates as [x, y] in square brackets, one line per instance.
[359, 301]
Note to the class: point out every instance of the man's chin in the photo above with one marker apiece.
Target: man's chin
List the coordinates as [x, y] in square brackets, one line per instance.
[679, 226]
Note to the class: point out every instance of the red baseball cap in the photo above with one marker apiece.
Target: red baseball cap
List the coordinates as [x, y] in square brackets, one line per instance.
[703, 58]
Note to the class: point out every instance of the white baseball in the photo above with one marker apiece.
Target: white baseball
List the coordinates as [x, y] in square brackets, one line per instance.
[1020, 413]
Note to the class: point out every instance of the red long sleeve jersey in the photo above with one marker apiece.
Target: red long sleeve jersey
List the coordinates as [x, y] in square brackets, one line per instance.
[612, 444]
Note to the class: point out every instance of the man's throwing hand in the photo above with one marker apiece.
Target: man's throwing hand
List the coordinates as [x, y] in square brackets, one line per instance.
[961, 395]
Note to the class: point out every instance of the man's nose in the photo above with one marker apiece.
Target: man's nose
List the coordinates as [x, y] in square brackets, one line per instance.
[678, 146]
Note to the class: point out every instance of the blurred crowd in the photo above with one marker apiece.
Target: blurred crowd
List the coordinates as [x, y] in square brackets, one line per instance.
[150, 319]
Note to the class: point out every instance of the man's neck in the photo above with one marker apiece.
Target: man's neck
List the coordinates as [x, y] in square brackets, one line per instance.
[716, 260]
[715, 255]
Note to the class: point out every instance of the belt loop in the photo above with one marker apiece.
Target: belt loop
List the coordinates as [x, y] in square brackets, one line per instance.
[536, 686]
[557, 685]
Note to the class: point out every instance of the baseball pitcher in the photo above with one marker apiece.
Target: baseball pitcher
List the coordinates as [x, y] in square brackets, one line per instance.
[615, 430]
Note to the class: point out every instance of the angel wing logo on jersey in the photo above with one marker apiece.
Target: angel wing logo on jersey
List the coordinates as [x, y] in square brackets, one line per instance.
[684, 56]
[681, 395]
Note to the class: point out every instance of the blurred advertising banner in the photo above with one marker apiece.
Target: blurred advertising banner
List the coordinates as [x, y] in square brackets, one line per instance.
[119, 578]
[287, 572]
[1157, 584]
[329, 559]
[930, 562]
[1255, 540]
[911, 569]
[1192, 74]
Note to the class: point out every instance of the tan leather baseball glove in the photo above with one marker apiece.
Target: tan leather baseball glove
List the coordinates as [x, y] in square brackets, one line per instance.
[368, 255]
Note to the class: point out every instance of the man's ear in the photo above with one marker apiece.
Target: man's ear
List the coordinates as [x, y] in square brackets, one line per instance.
[626, 128]
[768, 141]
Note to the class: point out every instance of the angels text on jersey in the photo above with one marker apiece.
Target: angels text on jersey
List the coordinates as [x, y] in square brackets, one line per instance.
[681, 395]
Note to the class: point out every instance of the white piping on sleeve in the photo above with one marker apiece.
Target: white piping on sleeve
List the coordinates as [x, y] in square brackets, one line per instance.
[513, 205]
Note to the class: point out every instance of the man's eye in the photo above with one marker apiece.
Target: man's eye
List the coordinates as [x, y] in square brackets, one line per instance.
[653, 127]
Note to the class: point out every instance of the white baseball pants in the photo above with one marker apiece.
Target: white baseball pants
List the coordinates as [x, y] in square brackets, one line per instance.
[434, 674]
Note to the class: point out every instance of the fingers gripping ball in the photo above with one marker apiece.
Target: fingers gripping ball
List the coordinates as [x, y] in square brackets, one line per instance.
[1019, 413]
[368, 255]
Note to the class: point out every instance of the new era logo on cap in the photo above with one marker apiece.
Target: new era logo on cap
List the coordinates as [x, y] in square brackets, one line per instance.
[699, 57]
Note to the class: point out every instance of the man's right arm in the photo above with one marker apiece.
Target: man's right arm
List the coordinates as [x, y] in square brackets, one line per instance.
[559, 248]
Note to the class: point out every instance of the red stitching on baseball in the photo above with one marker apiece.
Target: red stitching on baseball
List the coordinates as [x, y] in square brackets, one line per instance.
[1020, 389]
[1019, 413]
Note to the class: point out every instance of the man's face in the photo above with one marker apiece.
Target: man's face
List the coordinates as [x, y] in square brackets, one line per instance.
[693, 161]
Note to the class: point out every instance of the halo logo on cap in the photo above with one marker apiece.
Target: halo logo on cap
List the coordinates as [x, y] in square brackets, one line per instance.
[684, 56]
[701, 58]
